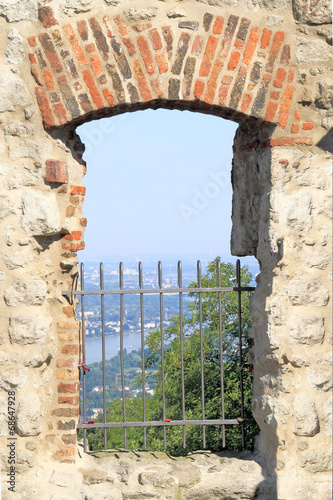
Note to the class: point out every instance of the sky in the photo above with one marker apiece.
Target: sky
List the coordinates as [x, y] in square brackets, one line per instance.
[158, 182]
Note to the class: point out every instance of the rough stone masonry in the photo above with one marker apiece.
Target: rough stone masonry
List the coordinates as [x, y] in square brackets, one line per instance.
[266, 64]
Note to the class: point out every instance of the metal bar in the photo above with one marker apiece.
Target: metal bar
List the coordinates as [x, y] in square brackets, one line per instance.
[143, 357]
[160, 284]
[121, 284]
[166, 291]
[154, 423]
[181, 336]
[201, 356]
[218, 275]
[101, 276]
[238, 278]
[84, 386]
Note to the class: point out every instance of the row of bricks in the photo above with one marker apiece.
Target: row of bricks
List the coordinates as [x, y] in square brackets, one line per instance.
[278, 141]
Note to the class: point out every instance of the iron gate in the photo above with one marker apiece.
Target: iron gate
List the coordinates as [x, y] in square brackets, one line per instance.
[161, 292]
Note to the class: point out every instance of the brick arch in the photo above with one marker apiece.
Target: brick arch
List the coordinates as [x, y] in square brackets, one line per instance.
[221, 63]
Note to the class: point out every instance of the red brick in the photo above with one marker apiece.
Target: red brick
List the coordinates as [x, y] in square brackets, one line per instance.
[74, 235]
[295, 128]
[83, 221]
[297, 115]
[212, 82]
[94, 92]
[68, 452]
[121, 25]
[218, 25]
[82, 27]
[251, 46]
[228, 35]
[68, 336]
[91, 47]
[146, 54]
[141, 27]
[50, 52]
[32, 41]
[108, 96]
[285, 56]
[155, 39]
[142, 82]
[70, 388]
[35, 74]
[291, 141]
[307, 126]
[100, 38]
[198, 89]
[227, 79]
[67, 374]
[60, 112]
[286, 101]
[156, 87]
[73, 247]
[32, 58]
[47, 17]
[247, 98]
[78, 190]
[197, 45]
[130, 46]
[70, 349]
[66, 363]
[265, 38]
[56, 171]
[271, 111]
[223, 94]
[233, 61]
[44, 107]
[107, 23]
[280, 78]
[275, 95]
[209, 55]
[275, 49]
[291, 75]
[69, 438]
[68, 310]
[161, 63]
[48, 79]
[168, 37]
[96, 65]
[74, 42]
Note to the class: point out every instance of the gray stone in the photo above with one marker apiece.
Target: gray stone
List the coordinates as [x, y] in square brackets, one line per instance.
[25, 460]
[325, 207]
[274, 20]
[33, 149]
[3, 417]
[25, 330]
[19, 129]
[28, 417]
[140, 14]
[307, 330]
[312, 50]
[95, 476]
[319, 380]
[318, 260]
[270, 5]
[187, 476]
[13, 379]
[298, 216]
[19, 10]
[177, 12]
[29, 293]
[324, 97]
[303, 293]
[323, 358]
[310, 179]
[4, 168]
[16, 259]
[140, 496]
[65, 479]
[14, 52]
[298, 361]
[316, 461]
[278, 310]
[327, 416]
[305, 416]
[70, 7]
[28, 112]
[24, 179]
[40, 214]
[156, 478]
[8, 358]
[13, 92]
[312, 11]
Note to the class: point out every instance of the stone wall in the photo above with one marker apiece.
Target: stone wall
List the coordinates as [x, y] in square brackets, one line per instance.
[266, 64]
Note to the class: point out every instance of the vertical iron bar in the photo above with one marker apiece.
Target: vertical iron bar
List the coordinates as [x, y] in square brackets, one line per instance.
[143, 356]
[181, 335]
[121, 286]
[201, 356]
[84, 387]
[101, 277]
[160, 283]
[218, 274]
[238, 278]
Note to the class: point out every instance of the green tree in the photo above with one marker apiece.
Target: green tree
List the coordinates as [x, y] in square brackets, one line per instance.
[214, 313]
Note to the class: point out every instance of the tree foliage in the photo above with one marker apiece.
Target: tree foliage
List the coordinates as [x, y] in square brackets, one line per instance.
[217, 315]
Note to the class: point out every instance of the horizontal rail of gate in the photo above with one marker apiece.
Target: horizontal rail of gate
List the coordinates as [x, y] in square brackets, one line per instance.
[199, 290]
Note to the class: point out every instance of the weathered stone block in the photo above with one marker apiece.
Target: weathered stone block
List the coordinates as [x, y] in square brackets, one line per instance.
[319, 380]
[23, 179]
[33, 149]
[25, 330]
[13, 379]
[308, 330]
[19, 10]
[305, 416]
[16, 259]
[140, 14]
[70, 7]
[312, 11]
[303, 293]
[312, 50]
[8, 358]
[327, 416]
[28, 417]
[30, 293]
[315, 461]
[13, 92]
[40, 213]
[19, 129]
[156, 478]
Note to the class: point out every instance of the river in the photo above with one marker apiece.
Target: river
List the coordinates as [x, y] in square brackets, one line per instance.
[94, 346]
